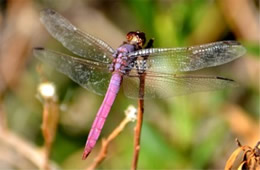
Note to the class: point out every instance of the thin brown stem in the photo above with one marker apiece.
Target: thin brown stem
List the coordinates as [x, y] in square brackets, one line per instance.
[50, 117]
[139, 123]
[3, 124]
[138, 129]
[23, 147]
[3, 117]
[49, 124]
[130, 116]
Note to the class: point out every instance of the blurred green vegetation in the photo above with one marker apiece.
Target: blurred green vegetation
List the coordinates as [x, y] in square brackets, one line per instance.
[187, 132]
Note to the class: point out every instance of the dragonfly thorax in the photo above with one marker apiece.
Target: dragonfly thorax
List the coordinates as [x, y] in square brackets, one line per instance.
[122, 62]
[121, 59]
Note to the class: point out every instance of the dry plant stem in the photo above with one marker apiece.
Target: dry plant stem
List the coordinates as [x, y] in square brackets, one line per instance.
[50, 120]
[137, 136]
[103, 152]
[139, 123]
[46, 136]
[3, 124]
[23, 147]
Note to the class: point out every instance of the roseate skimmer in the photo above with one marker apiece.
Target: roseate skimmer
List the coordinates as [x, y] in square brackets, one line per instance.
[102, 69]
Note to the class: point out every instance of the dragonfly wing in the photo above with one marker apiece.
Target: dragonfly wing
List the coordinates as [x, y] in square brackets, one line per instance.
[82, 44]
[166, 85]
[173, 60]
[91, 75]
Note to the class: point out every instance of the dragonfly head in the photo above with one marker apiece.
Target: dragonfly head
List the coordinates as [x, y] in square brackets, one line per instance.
[136, 37]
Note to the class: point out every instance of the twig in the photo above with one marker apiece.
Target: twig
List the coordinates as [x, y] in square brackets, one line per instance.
[137, 136]
[49, 124]
[130, 116]
[24, 147]
[3, 122]
[3, 119]
[139, 123]
[50, 117]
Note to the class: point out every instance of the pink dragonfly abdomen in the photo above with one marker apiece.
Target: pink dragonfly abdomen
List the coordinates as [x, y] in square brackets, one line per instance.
[103, 111]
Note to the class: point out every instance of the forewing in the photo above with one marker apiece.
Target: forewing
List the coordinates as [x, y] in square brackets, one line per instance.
[82, 44]
[173, 60]
[91, 75]
[165, 85]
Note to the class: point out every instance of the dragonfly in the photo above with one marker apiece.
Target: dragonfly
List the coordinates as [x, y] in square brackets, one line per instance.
[101, 69]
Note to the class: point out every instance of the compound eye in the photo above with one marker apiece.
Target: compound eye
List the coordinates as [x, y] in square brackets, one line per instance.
[142, 38]
[129, 36]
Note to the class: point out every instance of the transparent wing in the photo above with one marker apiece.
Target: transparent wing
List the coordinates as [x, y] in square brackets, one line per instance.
[172, 60]
[91, 75]
[79, 43]
[166, 85]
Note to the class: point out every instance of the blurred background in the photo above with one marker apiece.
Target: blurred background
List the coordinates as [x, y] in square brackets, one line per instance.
[196, 131]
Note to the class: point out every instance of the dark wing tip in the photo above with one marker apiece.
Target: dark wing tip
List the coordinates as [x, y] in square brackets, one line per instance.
[38, 48]
[231, 83]
[37, 51]
[222, 78]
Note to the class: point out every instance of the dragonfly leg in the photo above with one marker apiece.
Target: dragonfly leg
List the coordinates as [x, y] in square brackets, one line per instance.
[111, 66]
[150, 43]
[115, 54]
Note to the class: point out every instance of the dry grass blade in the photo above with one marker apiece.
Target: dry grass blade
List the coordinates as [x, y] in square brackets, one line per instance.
[50, 114]
[232, 158]
[241, 165]
[251, 158]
